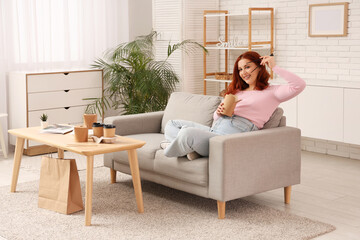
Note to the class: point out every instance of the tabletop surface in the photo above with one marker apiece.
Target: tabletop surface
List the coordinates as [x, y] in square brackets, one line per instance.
[67, 142]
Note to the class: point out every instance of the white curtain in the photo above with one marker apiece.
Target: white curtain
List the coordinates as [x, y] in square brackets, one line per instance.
[45, 35]
[59, 33]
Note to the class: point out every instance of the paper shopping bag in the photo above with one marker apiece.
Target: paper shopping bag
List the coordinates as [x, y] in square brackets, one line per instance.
[59, 186]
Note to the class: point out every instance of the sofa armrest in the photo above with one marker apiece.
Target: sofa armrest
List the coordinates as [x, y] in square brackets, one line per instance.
[136, 123]
[248, 163]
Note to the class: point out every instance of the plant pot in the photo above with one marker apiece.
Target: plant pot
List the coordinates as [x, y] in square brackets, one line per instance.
[89, 119]
[44, 124]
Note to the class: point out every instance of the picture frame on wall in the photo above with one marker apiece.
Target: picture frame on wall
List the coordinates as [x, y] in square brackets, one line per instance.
[328, 19]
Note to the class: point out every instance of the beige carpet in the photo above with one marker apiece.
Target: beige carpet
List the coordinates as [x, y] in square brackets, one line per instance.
[169, 214]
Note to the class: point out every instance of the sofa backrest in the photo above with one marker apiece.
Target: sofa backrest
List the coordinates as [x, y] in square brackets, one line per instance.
[200, 109]
[191, 107]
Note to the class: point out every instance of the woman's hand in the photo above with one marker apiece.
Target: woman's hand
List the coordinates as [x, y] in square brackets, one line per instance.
[268, 60]
[220, 108]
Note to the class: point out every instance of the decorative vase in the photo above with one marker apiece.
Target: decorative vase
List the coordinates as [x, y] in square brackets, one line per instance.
[89, 119]
[44, 124]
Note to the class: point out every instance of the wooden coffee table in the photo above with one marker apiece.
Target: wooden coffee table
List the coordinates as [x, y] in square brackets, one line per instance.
[89, 149]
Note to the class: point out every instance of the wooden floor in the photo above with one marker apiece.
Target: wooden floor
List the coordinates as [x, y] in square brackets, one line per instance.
[329, 191]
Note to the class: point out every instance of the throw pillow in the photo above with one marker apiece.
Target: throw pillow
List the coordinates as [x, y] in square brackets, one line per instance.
[275, 119]
[191, 107]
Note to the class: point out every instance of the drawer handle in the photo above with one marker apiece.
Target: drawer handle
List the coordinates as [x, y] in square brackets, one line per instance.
[66, 108]
[67, 90]
[66, 73]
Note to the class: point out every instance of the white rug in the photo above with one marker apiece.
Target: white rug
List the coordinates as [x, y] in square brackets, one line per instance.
[169, 214]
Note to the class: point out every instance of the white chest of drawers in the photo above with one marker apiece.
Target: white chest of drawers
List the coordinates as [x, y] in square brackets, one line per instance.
[58, 94]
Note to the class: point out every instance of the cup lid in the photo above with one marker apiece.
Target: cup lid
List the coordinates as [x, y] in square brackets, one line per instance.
[96, 124]
[109, 126]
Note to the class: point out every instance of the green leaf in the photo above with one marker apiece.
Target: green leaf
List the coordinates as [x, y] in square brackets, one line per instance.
[134, 81]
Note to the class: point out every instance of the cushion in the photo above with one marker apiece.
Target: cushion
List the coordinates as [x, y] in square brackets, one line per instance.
[146, 154]
[275, 119]
[195, 172]
[191, 107]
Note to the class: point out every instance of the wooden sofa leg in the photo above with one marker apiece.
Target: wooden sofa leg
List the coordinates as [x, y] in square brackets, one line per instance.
[287, 194]
[112, 176]
[221, 209]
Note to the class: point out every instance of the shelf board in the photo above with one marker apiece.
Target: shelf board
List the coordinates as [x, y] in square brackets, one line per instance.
[255, 12]
[223, 14]
[239, 48]
[209, 79]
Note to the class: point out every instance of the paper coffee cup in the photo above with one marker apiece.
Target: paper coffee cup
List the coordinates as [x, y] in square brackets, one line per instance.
[81, 134]
[109, 131]
[229, 104]
[98, 129]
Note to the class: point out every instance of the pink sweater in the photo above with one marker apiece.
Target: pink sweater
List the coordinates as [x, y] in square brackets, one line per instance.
[258, 105]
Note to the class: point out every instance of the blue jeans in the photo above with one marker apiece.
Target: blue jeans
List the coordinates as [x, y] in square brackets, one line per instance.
[187, 136]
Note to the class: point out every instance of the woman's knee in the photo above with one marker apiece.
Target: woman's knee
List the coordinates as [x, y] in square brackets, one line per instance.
[195, 139]
[186, 134]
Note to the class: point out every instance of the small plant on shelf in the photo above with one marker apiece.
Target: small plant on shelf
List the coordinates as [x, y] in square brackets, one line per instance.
[43, 122]
[43, 117]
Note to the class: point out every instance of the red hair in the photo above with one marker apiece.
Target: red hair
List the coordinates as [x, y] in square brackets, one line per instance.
[239, 84]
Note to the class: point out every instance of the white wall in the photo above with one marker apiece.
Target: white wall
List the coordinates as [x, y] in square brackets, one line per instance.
[325, 63]
[140, 18]
[176, 21]
[329, 61]
[329, 65]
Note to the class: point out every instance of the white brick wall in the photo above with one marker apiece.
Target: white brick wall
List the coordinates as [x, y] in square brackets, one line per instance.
[331, 148]
[325, 60]
[314, 59]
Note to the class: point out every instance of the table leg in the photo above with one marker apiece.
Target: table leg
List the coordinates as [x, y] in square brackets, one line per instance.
[60, 153]
[134, 167]
[19, 148]
[89, 189]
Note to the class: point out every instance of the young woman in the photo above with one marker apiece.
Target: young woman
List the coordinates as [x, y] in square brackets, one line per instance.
[257, 100]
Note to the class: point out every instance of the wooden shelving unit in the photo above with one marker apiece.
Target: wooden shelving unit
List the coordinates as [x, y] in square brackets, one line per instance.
[211, 45]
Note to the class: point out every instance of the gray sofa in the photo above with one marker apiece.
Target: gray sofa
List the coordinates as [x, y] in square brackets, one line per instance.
[239, 165]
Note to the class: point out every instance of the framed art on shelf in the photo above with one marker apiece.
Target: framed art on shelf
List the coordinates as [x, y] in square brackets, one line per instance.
[328, 19]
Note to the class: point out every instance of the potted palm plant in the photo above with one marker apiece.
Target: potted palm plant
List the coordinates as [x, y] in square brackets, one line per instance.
[134, 80]
[89, 119]
[98, 105]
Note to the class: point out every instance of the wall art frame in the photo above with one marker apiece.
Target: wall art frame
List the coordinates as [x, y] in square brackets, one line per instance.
[328, 19]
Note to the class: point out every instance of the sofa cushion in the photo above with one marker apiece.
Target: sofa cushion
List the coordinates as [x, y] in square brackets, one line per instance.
[275, 119]
[195, 172]
[192, 107]
[146, 154]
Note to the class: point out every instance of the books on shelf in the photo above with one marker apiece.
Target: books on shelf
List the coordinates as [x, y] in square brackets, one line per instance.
[57, 128]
